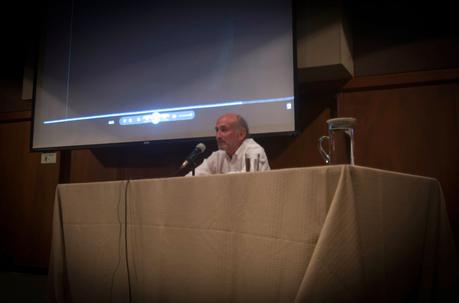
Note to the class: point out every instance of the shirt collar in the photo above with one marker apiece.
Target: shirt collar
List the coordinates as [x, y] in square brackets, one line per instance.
[240, 151]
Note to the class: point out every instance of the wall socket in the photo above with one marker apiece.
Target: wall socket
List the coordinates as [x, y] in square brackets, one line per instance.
[48, 158]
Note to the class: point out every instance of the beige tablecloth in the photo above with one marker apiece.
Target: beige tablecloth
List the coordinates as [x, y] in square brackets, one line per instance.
[319, 234]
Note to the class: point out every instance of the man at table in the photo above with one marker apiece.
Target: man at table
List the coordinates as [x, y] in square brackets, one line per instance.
[234, 144]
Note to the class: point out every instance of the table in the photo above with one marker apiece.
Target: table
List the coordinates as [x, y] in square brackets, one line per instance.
[318, 234]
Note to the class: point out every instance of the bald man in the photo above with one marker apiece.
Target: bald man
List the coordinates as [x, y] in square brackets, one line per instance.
[231, 133]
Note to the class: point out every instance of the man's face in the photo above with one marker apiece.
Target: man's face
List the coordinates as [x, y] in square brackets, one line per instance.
[228, 134]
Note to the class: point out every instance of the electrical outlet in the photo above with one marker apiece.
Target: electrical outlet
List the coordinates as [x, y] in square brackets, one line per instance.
[48, 158]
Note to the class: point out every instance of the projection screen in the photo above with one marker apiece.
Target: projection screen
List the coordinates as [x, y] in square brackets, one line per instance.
[137, 71]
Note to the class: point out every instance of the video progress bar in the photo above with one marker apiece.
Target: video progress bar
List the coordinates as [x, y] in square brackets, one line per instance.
[183, 108]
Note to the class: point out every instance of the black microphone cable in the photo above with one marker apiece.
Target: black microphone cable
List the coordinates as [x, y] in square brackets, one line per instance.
[120, 233]
[125, 202]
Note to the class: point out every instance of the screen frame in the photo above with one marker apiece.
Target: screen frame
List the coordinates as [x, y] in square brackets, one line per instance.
[39, 51]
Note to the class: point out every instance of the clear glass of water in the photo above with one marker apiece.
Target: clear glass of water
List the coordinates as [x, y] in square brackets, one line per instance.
[252, 162]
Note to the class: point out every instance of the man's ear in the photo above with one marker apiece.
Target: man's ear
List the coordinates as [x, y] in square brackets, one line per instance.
[242, 133]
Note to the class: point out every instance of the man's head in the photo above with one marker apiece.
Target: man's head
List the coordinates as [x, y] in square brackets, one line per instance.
[230, 131]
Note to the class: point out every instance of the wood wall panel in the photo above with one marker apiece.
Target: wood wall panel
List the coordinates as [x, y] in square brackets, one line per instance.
[154, 160]
[412, 129]
[26, 199]
[85, 167]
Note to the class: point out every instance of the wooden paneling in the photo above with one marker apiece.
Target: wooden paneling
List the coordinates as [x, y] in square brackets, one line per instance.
[26, 198]
[154, 160]
[409, 128]
[412, 129]
[408, 79]
[15, 116]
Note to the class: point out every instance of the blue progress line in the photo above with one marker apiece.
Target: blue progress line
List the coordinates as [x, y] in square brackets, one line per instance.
[215, 105]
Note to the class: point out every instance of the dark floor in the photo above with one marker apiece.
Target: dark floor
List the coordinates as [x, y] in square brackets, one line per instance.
[17, 287]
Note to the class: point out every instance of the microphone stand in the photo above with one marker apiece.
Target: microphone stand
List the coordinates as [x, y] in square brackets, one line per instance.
[193, 166]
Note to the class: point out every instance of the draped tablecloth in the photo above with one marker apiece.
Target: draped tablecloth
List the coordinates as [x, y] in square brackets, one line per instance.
[318, 234]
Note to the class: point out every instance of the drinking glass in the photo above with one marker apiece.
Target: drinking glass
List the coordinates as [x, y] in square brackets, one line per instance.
[252, 162]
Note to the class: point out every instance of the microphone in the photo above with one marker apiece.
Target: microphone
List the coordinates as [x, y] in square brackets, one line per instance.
[199, 149]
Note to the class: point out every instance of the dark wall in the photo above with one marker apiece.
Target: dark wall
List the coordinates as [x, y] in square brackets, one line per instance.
[404, 94]
[401, 36]
[19, 32]
[26, 197]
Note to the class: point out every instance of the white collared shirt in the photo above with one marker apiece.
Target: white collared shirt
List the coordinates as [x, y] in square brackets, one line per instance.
[220, 163]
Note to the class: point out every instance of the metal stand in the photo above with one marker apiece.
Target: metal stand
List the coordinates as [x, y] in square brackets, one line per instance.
[193, 166]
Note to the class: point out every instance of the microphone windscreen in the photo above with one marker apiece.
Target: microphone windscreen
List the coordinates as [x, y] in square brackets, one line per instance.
[201, 147]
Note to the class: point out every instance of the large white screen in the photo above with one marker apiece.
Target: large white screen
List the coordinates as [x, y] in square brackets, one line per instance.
[136, 71]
